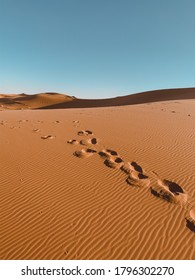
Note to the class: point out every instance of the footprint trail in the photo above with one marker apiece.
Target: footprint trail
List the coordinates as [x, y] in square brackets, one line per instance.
[164, 189]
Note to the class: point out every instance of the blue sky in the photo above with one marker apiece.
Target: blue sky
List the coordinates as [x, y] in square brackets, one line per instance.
[96, 48]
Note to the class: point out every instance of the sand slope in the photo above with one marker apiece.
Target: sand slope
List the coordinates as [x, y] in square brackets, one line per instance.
[124, 188]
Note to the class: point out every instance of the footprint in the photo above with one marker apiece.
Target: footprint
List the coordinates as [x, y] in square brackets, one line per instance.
[92, 141]
[190, 220]
[85, 132]
[127, 167]
[136, 174]
[137, 167]
[114, 162]
[163, 193]
[131, 166]
[47, 137]
[169, 191]
[138, 179]
[84, 153]
[73, 142]
[112, 158]
[173, 187]
[106, 153]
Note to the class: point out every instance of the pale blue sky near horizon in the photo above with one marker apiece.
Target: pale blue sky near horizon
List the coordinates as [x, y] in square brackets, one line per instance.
[96, 48]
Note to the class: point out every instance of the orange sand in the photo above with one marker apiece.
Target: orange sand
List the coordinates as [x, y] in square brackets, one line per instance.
[110, 194]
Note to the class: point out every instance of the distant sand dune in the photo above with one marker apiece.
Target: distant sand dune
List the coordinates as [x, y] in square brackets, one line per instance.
[138, 98]
[24, 101]
[52, 100]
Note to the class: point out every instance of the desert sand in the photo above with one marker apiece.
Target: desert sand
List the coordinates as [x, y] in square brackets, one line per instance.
[98, 179]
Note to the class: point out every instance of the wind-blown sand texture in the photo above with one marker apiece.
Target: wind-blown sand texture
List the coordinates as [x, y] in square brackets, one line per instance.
[114, 182]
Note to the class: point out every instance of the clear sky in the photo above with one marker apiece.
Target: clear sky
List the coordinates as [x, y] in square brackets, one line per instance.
[96, 48]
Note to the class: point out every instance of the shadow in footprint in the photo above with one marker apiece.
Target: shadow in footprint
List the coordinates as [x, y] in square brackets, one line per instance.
[190, 226]
[84, 132]
[190, 220]
[107, 153]
[90, 151]
[92, 141]
[102, 154]
[89, 131]
[137, 167]
[161, 193]
[73, 142]
[173, 187]
[142, 176]
[111, 152]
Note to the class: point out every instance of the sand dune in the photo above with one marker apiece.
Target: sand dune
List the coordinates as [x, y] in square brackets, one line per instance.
[98, 183]
[138, 98]
[51, 100]
[24, 101]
